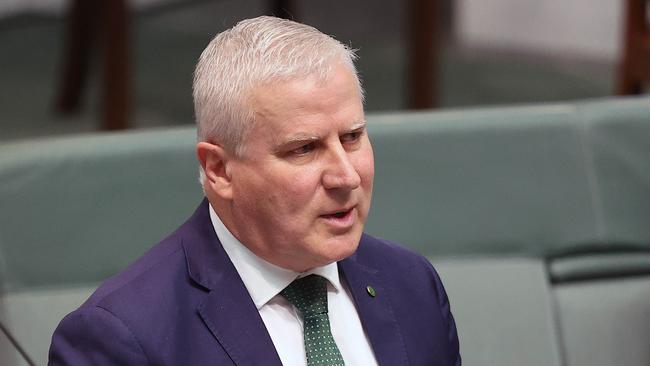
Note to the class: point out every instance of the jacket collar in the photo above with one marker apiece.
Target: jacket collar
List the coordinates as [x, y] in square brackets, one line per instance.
[376, 312]
[227, 310]
[233, 319]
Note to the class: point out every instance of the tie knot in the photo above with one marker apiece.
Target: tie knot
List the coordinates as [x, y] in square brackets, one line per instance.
[308, 294]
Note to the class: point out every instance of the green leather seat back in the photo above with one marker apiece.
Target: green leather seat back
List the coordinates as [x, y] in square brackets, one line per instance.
[525, 180]
[488, 181]
[78, 209]
[603, 298]
[618, 135]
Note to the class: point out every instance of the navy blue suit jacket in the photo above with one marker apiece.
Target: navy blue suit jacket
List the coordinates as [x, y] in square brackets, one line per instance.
[183, 303]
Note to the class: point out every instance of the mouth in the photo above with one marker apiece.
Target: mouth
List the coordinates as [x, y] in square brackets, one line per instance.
[341, 218]
[338, 214]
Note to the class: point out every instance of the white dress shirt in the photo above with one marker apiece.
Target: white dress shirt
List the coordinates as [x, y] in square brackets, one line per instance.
[264, 281]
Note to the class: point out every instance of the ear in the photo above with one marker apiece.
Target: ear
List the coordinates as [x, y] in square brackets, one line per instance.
[214, 159]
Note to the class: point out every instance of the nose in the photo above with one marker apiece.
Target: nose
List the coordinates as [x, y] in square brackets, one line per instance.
[340, 172]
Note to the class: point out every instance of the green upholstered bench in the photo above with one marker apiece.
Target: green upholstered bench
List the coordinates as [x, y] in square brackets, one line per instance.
[603, 298]
[76, 210]
[503, 310]
[538, 219]
[500, 199]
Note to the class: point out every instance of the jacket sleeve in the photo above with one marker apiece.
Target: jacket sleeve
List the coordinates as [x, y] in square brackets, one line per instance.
[445, 309]
[94, 336]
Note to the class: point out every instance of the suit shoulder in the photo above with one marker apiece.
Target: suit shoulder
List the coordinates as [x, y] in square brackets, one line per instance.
[142, 301]
[420, 290]
[385, 251]
[152, 268]
[96, 329]
[406, 268]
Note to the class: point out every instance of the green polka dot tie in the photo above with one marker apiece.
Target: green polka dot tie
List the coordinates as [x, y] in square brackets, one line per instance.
[309, 296]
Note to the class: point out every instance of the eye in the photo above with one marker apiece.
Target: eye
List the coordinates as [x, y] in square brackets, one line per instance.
[351, 137]
[303, 149]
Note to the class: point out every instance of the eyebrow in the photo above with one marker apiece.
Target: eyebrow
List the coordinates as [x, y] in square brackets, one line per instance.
[358, 125]
[302, 137]
[299, 137]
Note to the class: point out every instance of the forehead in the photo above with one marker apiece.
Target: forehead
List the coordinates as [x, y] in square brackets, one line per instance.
[308, 102]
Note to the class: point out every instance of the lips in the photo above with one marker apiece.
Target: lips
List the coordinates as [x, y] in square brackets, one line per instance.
[338, 214]
[342, 219]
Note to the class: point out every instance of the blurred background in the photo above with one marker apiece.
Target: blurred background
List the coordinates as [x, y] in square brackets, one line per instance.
[536, 217]
[68, 66]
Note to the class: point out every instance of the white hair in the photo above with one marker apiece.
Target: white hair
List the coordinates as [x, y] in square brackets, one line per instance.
[253, 52]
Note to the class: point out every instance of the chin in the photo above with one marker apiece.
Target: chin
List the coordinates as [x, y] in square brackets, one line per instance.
[344, 247]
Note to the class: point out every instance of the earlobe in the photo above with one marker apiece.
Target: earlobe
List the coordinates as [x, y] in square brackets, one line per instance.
[214, 161]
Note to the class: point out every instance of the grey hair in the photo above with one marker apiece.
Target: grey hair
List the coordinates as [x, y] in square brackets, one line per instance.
[253, 52]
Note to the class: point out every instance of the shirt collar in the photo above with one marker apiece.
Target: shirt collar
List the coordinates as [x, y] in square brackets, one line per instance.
[262, 279]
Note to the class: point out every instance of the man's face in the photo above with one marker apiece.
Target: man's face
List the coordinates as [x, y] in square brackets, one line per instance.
[301, 191]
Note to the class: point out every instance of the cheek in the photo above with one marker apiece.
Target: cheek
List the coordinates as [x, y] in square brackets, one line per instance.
[293, 190]
[302, 187]
[365, 165]
[254, 192]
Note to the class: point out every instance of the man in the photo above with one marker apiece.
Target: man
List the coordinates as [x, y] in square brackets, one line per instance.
[273, 268]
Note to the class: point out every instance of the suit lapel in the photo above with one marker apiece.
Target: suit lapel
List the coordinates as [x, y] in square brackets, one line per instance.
[234, 321]
[232, 318]
[375, 312]
[227, 310]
